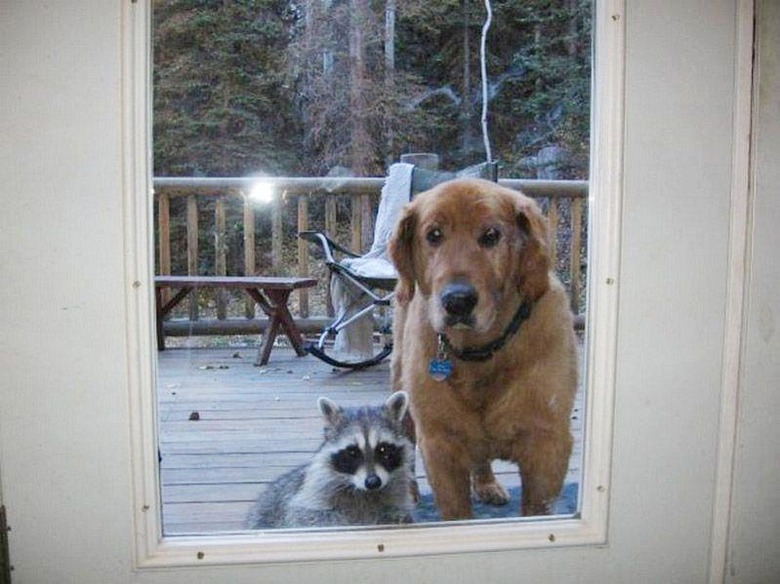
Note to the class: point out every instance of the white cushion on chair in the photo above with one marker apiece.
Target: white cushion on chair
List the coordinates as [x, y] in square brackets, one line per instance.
[371, 267]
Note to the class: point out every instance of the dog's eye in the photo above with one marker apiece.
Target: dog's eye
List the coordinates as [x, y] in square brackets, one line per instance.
[434, 236]
[490, 237]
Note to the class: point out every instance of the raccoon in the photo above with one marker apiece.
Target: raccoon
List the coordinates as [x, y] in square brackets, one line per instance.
[361, 474]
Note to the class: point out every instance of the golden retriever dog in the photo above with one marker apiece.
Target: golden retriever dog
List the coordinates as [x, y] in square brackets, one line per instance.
[484, 344]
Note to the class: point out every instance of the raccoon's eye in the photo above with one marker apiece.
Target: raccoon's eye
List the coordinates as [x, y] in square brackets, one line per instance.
[347, 460]
[490, 237]
[390, 455]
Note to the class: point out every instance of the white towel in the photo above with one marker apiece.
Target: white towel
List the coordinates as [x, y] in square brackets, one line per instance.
[396, 192]
[354, 342]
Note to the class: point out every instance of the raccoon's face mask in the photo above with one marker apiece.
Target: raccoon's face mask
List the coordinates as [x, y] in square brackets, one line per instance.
[369, 467]
[368, 443]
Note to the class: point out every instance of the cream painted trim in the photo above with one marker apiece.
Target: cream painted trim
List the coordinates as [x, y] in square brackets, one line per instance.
[605, 209]
[139, 254]
[740, 228]
[590, 528]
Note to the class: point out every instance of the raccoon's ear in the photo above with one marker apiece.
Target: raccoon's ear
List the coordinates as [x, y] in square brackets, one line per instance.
[396, 406]
[330, 411]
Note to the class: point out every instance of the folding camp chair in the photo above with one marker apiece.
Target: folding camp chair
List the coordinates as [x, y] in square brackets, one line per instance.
[362, 287]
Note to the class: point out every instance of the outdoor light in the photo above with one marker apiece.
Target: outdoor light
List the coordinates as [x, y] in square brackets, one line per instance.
[262, 192]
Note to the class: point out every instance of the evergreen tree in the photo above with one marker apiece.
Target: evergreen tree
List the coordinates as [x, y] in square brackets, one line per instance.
[320, 86]
[222, 102]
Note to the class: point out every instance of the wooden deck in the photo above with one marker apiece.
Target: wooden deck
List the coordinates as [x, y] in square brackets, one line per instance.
[228, 427]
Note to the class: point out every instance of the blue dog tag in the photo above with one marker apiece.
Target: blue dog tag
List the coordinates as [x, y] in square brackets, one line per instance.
[440, 369]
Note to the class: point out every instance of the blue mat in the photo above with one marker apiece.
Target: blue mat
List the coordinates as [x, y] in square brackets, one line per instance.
[565, 505]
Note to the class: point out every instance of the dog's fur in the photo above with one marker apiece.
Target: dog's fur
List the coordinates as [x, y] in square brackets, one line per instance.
[516, 405]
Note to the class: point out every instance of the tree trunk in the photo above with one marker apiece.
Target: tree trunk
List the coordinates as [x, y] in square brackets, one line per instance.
[390, 78]
[466, 113]
[359, 139]
[572, 47]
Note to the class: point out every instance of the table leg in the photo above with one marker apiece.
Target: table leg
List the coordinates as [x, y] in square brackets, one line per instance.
[264, 352]
[283, 316]
[274, 304]
[162, 310]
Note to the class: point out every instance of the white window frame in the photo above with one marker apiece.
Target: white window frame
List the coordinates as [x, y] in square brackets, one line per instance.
[153, 550]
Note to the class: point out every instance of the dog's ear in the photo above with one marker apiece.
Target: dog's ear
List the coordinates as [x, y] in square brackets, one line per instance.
[533, 275]
[402, 254]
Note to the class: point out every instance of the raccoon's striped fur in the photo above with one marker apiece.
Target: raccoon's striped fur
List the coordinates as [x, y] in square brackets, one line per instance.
[361, 474]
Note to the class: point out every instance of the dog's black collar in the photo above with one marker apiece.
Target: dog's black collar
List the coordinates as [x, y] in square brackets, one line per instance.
[487, 351]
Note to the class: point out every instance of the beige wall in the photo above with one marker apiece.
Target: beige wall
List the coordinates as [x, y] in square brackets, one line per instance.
[63, 401]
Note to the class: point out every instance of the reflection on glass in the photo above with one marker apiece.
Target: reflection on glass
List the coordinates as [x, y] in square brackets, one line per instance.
[325, 97]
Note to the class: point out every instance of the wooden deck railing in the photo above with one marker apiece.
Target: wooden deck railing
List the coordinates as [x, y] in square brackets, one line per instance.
[210, 226]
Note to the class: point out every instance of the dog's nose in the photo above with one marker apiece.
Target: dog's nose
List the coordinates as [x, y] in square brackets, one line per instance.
[373, 482]
[459, 299]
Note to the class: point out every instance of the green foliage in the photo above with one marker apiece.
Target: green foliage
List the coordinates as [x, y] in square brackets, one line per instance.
[303, 87]
[538, 73]
[221, 94]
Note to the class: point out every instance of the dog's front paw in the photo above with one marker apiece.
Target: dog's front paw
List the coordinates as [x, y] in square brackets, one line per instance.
[491, 494]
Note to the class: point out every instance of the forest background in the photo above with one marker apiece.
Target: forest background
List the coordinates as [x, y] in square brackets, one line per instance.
[344, 87]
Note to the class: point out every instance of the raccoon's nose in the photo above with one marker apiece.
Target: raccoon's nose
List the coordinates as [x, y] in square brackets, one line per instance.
[459, 299]
[373, 482]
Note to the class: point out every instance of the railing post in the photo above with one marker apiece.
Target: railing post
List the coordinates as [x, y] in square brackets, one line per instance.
[164, 233]
[574, 259]
[164, 239]
[249, 251]
[366, 222]
[303, 254]
[355, 223]
[192, 250]
[220, 253]
[276, 232]
[330, 227]
[552, 219]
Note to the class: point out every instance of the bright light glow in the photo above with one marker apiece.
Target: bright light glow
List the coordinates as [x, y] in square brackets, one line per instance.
[262, 192]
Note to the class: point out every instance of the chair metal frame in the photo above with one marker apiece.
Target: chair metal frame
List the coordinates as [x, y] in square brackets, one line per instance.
[374, 292]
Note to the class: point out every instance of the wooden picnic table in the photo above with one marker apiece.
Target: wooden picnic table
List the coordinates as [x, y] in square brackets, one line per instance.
[271, 293]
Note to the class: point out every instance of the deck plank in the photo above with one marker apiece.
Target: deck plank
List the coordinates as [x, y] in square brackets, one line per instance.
[227, 428]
